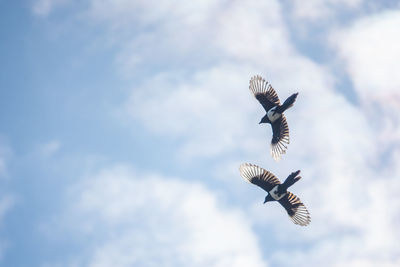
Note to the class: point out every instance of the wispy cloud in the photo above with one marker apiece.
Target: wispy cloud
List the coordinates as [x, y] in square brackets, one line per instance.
[136, 218]
[369, 50]
[209, 106]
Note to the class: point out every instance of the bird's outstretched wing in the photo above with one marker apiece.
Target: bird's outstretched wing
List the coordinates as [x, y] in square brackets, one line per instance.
[258, 176]
[280, 137]
[264, 92]
[295, 209]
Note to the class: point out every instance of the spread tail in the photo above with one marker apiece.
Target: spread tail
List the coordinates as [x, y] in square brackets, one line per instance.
[287, 104]
[291, 179]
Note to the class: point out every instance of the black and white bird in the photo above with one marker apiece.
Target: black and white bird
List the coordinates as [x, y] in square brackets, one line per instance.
[268, 98]
[277, 191]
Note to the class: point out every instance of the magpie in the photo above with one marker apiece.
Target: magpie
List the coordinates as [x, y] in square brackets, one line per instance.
[266, 95]
[277, 191]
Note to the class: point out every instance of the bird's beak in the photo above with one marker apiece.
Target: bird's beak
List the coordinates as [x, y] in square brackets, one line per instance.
[265, 201]
[260, 122]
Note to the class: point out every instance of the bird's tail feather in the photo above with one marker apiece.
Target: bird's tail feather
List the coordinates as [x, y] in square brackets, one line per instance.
[291, 179]
[287, 104]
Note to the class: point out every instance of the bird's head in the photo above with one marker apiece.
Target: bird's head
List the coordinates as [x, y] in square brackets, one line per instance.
[264, 119]
[268, 198]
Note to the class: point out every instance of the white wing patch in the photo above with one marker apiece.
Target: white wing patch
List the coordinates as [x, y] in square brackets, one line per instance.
[274, 193]
[273, 117]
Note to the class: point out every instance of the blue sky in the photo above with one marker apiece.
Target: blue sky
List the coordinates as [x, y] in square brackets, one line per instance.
[123, 125]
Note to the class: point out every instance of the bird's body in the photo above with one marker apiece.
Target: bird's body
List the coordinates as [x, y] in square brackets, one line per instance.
[277, 191]
[268, 98]
[272, 115]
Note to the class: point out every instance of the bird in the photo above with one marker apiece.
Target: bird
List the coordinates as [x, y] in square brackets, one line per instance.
[296, 210]
[266, 95]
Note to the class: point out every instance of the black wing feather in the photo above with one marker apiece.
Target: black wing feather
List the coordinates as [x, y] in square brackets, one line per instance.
[296, 210]
[280, 137]
[264, 92]
[258, 176]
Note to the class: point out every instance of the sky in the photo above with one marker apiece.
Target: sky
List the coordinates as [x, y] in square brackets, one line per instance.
[123, 125]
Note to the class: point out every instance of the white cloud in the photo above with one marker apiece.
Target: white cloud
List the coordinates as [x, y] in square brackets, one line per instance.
[369, 50]
[211, 105]
[207, 110]
[141, 219]
[158, 34]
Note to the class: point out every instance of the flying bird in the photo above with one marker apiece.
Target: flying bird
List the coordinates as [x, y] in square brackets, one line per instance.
[268, 98]
[277, 191]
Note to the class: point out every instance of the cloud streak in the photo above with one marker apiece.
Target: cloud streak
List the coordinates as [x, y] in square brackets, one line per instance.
[145, 219]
